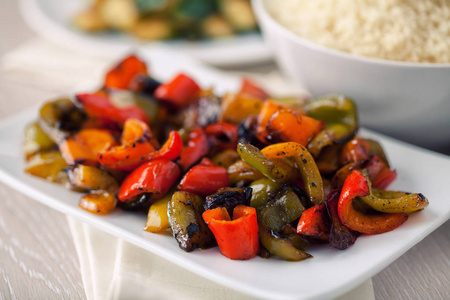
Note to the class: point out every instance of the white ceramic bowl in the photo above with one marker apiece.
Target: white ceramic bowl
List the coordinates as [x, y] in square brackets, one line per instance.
[410, 101]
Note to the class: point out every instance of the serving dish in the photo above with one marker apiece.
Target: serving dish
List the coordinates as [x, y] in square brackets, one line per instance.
[329, 274]
[52, 19]
[406, 100]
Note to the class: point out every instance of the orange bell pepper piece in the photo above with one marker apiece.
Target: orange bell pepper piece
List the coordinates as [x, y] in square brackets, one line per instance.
[236, 107]
[238, 238]
[123, 73]
[280, 123]
[356, 185]
[84, 146]
[268, 109]
[356, 150]
[98, 202]
[137, 148]
[290, 126]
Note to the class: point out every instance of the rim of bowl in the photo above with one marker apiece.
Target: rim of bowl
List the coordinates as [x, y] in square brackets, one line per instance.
[260, 9]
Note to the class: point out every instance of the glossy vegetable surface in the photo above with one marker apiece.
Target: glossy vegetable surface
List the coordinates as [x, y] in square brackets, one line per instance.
[305, 166]
[121, 75]
[341, 237]
[229, 198]
[138, 147]
[46, 165]
[204, 179]
[357, 185]
[263, 190]
[268, 175]
[179, 92]
[154, 178]
[88, 178]
[197, 147]
[237, 238]
[340, 117]
[98, 202]
[60, 118]
[280, 246]
[84, 146]
[185, 218]
[36, 140]
[284, 209]
[99, 105]
[157, 218]
[314, 223]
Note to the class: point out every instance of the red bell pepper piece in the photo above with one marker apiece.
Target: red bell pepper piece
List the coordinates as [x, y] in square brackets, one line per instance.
[197, 147]
[179, 92]
[204, 179]
[222, 135]
[252, 90]
[379, 173]
[155, 177]
[137, 148]
[237, 238]
[99, 105]
[171, 148]
[102, 123]
[383, 179]
[356, 185]
[314, 223]
[122, 74]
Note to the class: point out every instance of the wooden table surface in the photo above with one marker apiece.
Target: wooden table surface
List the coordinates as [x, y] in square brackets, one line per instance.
[37, 255]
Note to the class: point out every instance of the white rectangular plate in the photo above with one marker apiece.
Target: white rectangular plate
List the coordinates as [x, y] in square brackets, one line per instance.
[329, 274]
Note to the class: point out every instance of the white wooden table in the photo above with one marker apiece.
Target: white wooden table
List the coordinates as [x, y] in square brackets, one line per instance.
[37, 255]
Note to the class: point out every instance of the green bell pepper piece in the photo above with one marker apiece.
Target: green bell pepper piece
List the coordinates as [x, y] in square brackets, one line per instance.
[284, 209]
[263, 190]
[185, 218]
[393, 201]
[258, 161]
[340, 116]
[280, 246]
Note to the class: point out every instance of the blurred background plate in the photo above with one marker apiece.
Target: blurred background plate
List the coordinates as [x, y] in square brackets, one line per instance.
[52, 19]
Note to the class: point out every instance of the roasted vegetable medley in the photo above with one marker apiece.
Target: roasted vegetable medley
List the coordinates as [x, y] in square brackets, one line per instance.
[165, 19]
[247, 172]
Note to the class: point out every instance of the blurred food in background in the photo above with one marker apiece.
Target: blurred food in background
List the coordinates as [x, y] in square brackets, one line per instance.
[168, 19]
[401, 30]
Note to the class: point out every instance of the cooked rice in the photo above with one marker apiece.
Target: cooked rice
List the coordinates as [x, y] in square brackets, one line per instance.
[403, 30]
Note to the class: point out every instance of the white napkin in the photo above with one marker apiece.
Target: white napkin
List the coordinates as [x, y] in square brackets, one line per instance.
[112, 268]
